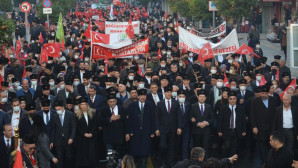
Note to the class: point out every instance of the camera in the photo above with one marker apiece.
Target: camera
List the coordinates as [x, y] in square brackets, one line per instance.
[112, 159]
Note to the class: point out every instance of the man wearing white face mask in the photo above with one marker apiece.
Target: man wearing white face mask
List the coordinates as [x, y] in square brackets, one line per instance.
[15, 114]
[215, 92]
[183, 140]
[67, 92]
[186, 86]
[33, 80]
[244, 94]
[258, 80]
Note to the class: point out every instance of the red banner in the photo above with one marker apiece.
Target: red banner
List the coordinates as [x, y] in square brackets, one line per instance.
[140, 47]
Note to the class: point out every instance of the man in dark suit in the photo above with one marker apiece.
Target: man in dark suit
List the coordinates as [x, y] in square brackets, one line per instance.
[186, 86]
[184, 139]
[286, 121]
[168, 126]
[67, 92]
[26, 122]
[95, 100]
[113, 120]
[244, 95]
[154, 97]
[45, 94]
[7, 145]
[10, 95]
[83, 88]
[262, 113]
[82, 70]
[141, 128]
[47, 115]
[63, 134]
[273, 74]
[231, 125]
[201, 117]
[16, 113]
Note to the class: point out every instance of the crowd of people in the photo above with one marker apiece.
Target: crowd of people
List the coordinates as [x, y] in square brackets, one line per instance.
[73, 111]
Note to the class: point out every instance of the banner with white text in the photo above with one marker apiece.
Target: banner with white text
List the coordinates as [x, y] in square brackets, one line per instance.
[119, 27]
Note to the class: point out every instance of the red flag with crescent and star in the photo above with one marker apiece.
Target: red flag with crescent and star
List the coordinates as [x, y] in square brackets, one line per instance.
[100, 38]
[246, 50]
[52, 49]
[129, 30]
[205, 53]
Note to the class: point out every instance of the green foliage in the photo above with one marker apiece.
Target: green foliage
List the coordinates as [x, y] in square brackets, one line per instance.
[235, 9]
[5, 5]
[191, 8]
[61, 6]
[7, 27]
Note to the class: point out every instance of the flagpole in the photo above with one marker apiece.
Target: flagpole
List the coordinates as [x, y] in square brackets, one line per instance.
[90, 64]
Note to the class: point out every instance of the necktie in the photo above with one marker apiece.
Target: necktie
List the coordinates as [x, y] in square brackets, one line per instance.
[182, 109]
[142, 106]
[113, 111]
[8, 145]
[61, 120]
[169, 107]
[242, 93]
[232, 118]
[92, 100]
[202, 110]
[47, 118]
[154, 98]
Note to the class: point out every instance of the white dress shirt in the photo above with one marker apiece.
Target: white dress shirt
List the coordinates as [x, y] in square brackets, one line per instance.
[9, 141]
[86, 117]
[200, 105]
[45, 117]
[66, 93]
[87, 88]
[287, 118]
[62, 115]
[115, 110]
[140, 105]
[15, 120]
[234, 114]
[155, 96]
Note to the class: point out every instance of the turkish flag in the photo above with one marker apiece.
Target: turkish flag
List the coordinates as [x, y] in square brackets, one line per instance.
[43, 56]
[129, 30]
[140, 72]
[166, 13]
[40, 38]
[18, 48]
[159, 54]
[226, 81]
[19, 159]
[277, 74]
[24, 73]
[244, 49]
[106, 66]
[292, 85]
[262, 81]
[87, 31]
[116, 2]
[1, 80]
[205, 53]
[100, 25]
[52, 49]
[100, 38]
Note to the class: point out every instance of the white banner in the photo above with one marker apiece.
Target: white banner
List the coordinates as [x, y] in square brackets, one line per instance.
[218, 31]
[119, 27]
[193, 43]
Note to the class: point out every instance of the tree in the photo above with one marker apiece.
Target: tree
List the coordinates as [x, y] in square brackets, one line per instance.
[235, 9]
[61, 6]
[5, 5]
[6, 29]
[191, 8]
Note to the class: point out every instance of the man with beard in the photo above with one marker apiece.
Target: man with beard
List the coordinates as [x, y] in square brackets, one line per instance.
[285, 80]
[26, 122]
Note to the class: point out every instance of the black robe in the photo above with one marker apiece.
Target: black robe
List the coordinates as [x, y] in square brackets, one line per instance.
[283, 157]
[141, 128]
[86, 150]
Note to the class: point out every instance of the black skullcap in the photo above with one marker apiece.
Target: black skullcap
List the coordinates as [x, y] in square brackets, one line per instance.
[242, 81]
[225, 89]
[167, 88]
[30, 107]
[69, 101]
[58, 102]
[83, 100]
[45, 102]
[29, 139]
[69, 82]
[274, 64]
[49, 66]
[197, 85]
[22, 98]
[33, 76]
[284, 74]
[232, 93]
[164, 77]
[142, 92]
[265, 88]
[201, 92]
[111, 89]
[277, 57]
[28, 69]
[111, 96]
[4, 84]
[86, 75]
[202, 79]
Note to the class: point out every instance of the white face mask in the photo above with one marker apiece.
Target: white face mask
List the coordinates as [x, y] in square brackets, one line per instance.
[190, 54]
[219, 84]
[258, 46]
[34, 82]
[181, 99]
[275, 86]
[136, 58]
[87, 60]
[237, 60]
[233, 87]
[130, 77]
[180, 64]
[230, 61]
[107, 87]
[53, 34]
[141, 65]
[4, 100]
[50, 62]
[76, 56]
[162, 65]
[76, 83]
[258, 78]
[203, 87]
[242, 88]
[231, 71]
[17, 84]
[163, 52]
[213, 71]
[141, 85]
[174, 94]
[59, 112]
[52, 83]
[168, 53]
[62, 86]
[16, 108]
